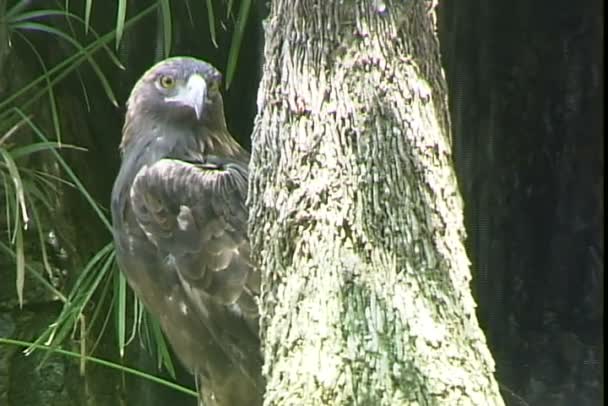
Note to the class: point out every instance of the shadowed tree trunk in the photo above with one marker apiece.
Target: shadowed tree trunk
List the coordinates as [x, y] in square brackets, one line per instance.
[356, 217]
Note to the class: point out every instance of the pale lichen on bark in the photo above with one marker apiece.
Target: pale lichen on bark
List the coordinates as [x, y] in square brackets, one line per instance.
[356, 216]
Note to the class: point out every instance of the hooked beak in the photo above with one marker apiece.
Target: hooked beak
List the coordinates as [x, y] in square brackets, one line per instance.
[192, 95]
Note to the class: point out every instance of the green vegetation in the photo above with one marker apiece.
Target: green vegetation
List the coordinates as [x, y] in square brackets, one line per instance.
[30, 193]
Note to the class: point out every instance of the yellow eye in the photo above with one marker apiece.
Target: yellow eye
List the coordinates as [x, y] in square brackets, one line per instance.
[215, 85]
[166, 82]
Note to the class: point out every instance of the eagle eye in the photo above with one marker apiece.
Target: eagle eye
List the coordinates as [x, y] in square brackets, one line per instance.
[166, 82]
[214, 86]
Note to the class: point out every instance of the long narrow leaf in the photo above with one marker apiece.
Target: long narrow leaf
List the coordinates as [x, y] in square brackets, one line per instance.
[29, 149]
[237, 37]
[121, 16]
[51, 30]
[97, 312]
[189, 11]
[120, 299]
[49, 86]
[41, 242]
[165, 11]
[211, 21]
[70, 173]
[45, 13]
[138, 315]
[19, 249]
[34, 193]
[65, 67]
[229, 8]
[7, 250]
[87, 15]
[162, 352]
[11, 131]
[16, 178]
[16, 238]
[16, 9]
[78, 297]
[8, 203]
[100, 361]
[48, 179]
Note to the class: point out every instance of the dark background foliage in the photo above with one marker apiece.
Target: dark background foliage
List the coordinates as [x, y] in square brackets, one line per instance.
[525, 81]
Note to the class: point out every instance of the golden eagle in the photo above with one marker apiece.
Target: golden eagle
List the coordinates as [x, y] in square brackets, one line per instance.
[180, 227]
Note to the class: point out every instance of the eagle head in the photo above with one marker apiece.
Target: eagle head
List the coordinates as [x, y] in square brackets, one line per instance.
[178, 96]
[178, 89]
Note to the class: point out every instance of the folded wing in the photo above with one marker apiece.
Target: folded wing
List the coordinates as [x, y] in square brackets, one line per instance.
[195, 215]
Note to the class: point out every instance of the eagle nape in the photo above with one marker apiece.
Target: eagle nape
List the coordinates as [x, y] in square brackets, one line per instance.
[180, 228]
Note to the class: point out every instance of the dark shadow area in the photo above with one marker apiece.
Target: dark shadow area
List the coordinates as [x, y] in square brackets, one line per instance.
[525, 85]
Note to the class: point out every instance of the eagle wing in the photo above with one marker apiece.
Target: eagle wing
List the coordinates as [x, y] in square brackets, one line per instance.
[180, 229]
[195, 215]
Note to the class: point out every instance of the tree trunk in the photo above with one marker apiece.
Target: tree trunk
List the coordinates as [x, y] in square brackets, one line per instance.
[356, 216]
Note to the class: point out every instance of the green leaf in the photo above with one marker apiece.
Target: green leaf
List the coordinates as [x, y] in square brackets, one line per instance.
[16, 178]
[20, 262]
[100, 361]
[237, 37]
[162, 352]
[84, 288]
[65, 67]
[120, 300]
[29, 149]
[87, 15]
[165, 12]
[51, 30]
[16, 9]
[121, 16]
[7, 250]
[229, 8]
[31, 15]
[69, 172]
[8, 203]
[20, 222]
[41, 242]
[49, 86]
[211, 20]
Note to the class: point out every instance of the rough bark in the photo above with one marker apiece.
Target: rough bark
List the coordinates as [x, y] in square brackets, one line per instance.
[356, 217]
